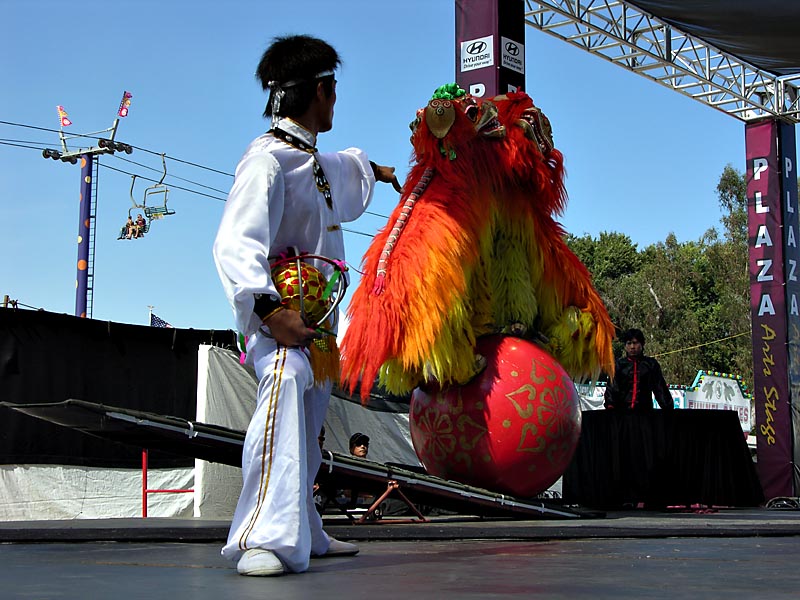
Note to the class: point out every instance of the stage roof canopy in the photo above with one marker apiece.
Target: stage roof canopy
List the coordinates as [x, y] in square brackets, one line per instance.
[741, 57]
[761, 32]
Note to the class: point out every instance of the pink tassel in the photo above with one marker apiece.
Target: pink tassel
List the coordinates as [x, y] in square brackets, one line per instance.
[379, 285]
[405, 213]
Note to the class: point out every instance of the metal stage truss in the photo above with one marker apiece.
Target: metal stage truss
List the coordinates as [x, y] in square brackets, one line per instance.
[648, 46]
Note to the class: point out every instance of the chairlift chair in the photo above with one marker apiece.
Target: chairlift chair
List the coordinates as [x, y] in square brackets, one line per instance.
[159, 192]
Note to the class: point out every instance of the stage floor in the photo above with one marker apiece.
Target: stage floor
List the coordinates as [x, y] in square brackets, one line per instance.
[746, 522]
[731, 553]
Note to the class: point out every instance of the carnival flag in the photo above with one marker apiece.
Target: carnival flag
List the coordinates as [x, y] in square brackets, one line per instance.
[158, 322]
[124, 104]
[62, 116]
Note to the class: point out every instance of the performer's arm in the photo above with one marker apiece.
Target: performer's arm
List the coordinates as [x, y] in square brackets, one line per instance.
[352, 181]
[386, 174]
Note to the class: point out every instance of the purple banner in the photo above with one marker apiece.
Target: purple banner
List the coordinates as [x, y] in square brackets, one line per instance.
[791, 231]
[490, 46]
[768, 308]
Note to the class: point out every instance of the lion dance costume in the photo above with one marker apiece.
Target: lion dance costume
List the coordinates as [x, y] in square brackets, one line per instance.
[472, 249]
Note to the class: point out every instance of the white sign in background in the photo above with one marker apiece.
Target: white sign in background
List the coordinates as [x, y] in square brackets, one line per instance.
[721, 393]
[477, 53]
[512, 55]
[713, 393]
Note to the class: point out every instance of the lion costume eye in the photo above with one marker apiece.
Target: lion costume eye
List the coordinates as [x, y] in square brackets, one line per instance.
[471, 109]
[440, 116]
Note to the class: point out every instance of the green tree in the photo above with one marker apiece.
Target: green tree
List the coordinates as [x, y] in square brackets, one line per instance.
[672, 293]
[612, 258]
[682, 295]
[729, 261]
[732, 194]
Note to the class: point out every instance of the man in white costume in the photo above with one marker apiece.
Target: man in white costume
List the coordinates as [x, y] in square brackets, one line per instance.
[286, 196]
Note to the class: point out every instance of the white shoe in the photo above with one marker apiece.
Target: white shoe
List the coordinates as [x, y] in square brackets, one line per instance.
[259, 562]
[339, 548]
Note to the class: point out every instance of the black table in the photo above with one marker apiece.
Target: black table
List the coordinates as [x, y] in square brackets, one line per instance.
[663, 458]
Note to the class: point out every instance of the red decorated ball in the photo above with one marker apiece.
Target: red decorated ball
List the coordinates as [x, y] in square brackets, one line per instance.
[513, 429]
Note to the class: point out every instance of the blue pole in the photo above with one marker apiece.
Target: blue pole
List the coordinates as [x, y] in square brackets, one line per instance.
[82, 280]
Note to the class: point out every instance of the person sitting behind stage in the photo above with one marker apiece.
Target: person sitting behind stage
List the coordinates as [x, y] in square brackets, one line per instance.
[637, 379]
[354, 498]
[359, 445]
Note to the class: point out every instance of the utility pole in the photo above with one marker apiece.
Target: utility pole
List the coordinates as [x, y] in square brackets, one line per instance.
[84, 283]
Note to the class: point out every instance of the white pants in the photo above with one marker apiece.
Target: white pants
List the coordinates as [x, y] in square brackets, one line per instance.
[280, 460]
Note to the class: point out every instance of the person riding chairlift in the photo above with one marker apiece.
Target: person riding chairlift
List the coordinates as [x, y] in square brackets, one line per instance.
[140, 225]
[130, 228]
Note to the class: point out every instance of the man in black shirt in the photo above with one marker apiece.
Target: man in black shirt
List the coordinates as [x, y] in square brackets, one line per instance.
[637, 379]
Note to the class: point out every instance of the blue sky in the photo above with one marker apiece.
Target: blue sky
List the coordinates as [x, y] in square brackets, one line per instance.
[641, 159]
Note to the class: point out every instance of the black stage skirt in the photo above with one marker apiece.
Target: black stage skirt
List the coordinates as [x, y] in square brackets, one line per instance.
[660, 459]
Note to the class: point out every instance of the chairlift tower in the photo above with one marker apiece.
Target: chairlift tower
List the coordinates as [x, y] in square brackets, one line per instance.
[84, 282]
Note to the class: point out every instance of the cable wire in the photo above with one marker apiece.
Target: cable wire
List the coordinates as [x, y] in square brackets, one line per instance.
[133, 162]
[177, 187]
[23, 141]
[42, 146]
[186, 162]
[193, 164]
[21, 145]
[369, 235]
[730, 337]
[82, 135]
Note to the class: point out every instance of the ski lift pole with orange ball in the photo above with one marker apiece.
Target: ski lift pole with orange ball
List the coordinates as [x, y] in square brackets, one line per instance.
[84, 283]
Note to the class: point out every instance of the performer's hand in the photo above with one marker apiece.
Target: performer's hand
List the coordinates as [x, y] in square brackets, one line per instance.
[386, 175]
[289, 329]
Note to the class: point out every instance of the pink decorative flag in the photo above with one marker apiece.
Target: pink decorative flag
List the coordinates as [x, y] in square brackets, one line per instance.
[125, 104]
[62, 115]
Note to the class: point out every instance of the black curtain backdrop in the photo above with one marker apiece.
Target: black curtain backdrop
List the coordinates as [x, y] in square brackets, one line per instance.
[48, 357]
[661, 458]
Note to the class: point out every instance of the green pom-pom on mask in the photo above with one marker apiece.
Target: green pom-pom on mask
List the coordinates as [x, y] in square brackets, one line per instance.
[448, 91]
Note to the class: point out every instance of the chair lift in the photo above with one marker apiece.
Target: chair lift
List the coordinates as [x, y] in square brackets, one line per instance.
[123, 232]
[151, 212]
[158, 190]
